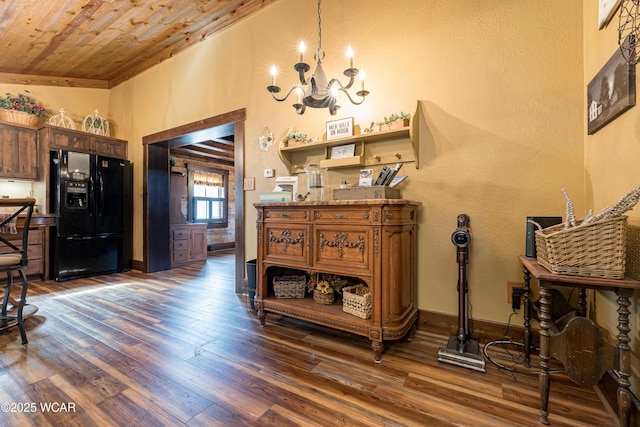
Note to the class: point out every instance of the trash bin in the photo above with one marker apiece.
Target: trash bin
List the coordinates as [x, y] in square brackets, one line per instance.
[251, 281]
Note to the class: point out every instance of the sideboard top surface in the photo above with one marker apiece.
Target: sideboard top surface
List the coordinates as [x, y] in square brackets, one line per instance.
[330, 203]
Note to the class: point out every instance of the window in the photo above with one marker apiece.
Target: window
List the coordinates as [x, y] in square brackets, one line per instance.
[209, 196]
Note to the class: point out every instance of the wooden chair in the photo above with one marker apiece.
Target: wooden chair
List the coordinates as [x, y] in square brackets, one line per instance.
[14, 259]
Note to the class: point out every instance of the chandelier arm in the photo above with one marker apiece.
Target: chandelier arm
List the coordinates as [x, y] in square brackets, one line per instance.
[351, 99]
[301, 73]
[286, 96]
[339, 83]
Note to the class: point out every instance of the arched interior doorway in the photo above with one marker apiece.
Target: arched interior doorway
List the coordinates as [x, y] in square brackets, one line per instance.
[156, 250]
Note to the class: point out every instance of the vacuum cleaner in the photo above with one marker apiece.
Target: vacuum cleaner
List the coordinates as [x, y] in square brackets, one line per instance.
[461, 350]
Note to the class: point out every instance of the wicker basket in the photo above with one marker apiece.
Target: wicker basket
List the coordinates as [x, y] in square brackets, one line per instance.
[19, 117]
[356, 300]
[289, 286]
[323, 298]
[593, 250]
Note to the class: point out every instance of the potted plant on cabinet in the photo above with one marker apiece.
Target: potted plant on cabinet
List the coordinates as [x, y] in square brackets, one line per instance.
[324, 287]
[21, 109]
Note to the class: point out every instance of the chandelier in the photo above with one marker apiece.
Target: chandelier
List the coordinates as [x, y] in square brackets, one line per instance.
[317, 91]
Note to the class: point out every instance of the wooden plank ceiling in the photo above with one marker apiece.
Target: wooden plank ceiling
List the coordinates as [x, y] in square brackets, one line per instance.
[102, 43]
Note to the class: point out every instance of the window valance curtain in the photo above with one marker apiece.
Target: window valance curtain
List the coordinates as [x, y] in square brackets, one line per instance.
[208, 178]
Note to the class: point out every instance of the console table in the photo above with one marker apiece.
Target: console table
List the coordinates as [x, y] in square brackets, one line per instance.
[373, 241]
[575, 343]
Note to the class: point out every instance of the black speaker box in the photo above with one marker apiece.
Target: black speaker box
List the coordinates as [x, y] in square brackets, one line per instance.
[544, 221]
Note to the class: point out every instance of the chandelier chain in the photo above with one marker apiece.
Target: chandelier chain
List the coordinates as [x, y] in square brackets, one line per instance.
[319, 55]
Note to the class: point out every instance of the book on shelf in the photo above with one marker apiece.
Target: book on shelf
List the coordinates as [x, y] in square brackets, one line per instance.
[391, 174]
[397, 180]
[383, 173]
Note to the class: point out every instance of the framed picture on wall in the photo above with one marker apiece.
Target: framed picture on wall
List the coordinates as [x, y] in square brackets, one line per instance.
[606, 10]
[611, 92]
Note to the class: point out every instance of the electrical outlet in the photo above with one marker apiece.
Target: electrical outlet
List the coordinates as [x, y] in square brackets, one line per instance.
[510, 286]
[269, 173]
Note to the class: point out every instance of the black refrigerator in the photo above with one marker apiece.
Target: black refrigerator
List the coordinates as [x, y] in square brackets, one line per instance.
[93, 198]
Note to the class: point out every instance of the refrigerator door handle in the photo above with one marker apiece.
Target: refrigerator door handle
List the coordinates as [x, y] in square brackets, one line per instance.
[101, 180]
[91, 189]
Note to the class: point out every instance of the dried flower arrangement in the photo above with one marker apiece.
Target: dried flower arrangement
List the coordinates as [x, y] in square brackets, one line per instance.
[23, 103]
[326, 283]
[626, 203]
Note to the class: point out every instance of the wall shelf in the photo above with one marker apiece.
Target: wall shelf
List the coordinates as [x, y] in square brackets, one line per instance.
[372, 149]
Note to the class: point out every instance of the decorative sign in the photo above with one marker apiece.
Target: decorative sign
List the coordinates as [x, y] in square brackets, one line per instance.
[340, 128]
[342, 151]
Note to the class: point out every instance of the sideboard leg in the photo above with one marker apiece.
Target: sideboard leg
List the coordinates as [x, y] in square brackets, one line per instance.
[377, 348]
[262, 315]
[624, 351]
[545, 335]
[527, 318]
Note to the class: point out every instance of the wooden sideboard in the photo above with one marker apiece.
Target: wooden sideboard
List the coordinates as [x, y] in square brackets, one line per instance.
[371, 241]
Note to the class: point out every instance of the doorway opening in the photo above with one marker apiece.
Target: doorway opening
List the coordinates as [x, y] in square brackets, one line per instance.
[204, 138]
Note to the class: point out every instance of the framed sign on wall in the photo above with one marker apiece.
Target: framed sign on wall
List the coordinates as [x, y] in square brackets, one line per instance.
[606, 10]
[339, 128]
[611, 92]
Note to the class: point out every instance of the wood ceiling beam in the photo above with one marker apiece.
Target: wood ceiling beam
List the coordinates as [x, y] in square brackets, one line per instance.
[206, 152]
[210, 145]
[187, 153]
[39, 80]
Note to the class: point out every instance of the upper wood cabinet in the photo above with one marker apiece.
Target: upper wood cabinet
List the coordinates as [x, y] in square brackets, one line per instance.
[67, 139]
[18, 151]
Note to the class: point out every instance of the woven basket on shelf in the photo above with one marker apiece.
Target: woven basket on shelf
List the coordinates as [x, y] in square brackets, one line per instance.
[323, 298]
[289, 286]
[19, 117]
[356, 300]
[593, 250]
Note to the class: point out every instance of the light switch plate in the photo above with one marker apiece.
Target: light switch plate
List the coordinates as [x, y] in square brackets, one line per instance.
[269, 173]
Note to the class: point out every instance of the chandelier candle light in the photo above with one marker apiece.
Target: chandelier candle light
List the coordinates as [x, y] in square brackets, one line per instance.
[317, 91]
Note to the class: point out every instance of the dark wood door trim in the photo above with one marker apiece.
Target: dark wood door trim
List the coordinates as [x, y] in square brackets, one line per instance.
[154, 207]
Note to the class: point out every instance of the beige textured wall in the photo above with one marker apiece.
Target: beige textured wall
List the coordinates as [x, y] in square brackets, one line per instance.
[501, 83]
[611, 170]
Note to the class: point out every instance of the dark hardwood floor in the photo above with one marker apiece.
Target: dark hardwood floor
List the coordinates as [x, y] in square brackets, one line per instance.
[180, 348]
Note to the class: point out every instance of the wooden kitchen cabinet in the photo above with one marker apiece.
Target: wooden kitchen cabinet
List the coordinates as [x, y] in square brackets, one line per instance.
[55, 138]
[371, 241]
[188, 244]
[18, 151]
[36, 251]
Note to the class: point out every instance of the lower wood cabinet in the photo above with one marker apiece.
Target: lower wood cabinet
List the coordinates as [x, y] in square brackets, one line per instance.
[188, 243]
[36, 251]
[371, 242]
